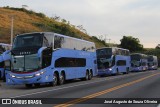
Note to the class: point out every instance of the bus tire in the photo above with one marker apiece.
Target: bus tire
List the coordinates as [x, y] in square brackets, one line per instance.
[62, 79]
[0, 75]
[127, 70]
[37, 84]
[4, 77]
[117, 71]
[90, 75]
[29, 85]
[86, 76]
[55, 79]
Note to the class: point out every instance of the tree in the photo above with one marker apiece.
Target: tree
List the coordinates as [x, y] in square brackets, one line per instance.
[158, 46]
[131, 43]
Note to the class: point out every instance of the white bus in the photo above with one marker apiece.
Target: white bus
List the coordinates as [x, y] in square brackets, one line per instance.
[152, 62]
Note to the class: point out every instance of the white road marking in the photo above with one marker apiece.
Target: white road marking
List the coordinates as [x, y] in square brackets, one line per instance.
[112, 78]
[158, 105]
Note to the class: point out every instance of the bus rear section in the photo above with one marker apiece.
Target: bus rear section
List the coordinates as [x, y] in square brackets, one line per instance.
[4, 56]
[50, 58]
[139, 62]
[152, 62]
[112, 61]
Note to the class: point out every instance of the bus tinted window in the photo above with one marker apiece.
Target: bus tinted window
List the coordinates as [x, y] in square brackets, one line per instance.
[58, 42]
[136, 57]
[150, 58]
[70, 62]
[121, 62]
[101, 52]
[28, 40]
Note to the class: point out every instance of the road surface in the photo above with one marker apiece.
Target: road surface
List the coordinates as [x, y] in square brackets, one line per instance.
[133, 85]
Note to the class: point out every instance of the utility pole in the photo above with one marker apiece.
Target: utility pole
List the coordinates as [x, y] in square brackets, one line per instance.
[105, 39]
[12, 22]
[109, 42]
[12, 19]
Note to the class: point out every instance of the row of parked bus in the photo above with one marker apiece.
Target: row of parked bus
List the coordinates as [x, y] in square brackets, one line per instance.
[117, 60]
[46, 57]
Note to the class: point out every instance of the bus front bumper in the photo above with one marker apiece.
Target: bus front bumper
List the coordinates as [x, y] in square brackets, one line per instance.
[105, 72]
[152, 68]
[13, 79]
[136, 69]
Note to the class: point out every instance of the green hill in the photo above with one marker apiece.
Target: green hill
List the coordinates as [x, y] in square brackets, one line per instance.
[29, 21]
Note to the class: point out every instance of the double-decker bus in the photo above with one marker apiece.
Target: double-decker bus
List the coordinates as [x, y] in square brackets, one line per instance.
[139, 62]
[152, 62]
[113, 60]
[46, 57]
[4, 55]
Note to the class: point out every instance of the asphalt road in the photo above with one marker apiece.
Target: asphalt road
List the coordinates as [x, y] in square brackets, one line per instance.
[133, 85]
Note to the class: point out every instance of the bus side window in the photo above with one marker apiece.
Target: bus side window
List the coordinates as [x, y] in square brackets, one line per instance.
[46, 57]
[58, 42]
[121, 63]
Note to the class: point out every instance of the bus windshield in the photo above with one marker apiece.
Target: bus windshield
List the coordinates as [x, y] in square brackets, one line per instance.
[104, 63]
[25, 63]
[28, 40]
[104, 52]
[136, 57]
[150, 58]
[135, 63]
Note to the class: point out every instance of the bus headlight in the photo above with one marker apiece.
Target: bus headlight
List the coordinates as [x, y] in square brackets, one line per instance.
[40, 73]
[12, 76]
[110, 69]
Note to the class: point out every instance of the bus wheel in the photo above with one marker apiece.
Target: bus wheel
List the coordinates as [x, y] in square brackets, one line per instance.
[28, 85]
[37, 85]
[4, 77]
[90, 75]
[61, 79]
[86, 77]
[117, 71]
[55, 79]
[0, 75]
[127, 71]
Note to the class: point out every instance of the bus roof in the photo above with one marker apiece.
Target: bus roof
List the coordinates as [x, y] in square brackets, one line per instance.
[112, 47]
[56, 34]
[138, 54]
[152, 56]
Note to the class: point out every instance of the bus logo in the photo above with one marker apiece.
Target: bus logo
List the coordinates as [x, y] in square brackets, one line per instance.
[6, 101]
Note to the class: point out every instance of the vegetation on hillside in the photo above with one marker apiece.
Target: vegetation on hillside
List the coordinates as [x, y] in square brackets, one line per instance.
[29, 21]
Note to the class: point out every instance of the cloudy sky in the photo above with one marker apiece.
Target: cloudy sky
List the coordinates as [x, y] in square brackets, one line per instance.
[113, 18]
